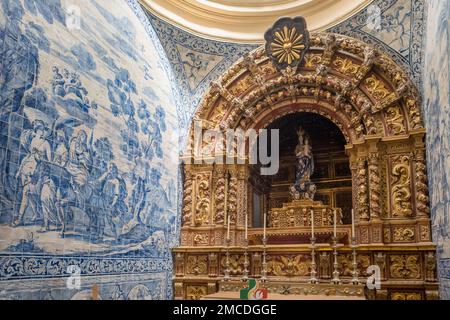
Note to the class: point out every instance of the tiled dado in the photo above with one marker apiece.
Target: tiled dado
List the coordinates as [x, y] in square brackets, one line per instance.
[31, 267]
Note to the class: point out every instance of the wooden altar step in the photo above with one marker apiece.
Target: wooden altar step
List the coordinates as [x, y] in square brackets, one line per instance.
[284, 290]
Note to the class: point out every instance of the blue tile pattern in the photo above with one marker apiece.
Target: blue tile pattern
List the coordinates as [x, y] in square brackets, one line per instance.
[196, 61]
[88, 152]
[437, 117]
[400, 32]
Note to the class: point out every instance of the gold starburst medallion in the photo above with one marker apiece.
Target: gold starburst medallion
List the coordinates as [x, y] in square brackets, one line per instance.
[287, 42]
[288, 45]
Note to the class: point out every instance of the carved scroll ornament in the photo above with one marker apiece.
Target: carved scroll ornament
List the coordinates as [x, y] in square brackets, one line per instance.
[401, 187]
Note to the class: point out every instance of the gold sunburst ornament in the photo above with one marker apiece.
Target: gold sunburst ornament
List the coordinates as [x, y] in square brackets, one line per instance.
[287, 42]
[288, 45]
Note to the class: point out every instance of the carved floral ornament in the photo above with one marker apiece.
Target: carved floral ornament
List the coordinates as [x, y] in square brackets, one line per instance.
[359, 87]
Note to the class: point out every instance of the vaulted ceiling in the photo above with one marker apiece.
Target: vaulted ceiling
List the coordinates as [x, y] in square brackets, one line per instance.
[247, 20]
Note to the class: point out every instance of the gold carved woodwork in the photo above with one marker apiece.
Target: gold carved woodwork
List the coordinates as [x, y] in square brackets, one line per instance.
[298, 214]
[422, 199]
[430, 266]
[404, 234]
[242, 202]
[220, 197]
[197, 265]
[268, 69]
[364, 234]
[212, 287]
[405, 266]
[395, 120]
[178, 290]
[312, 60]
[201, 239]
[345, 262]
[401, 186]
[376, 88]
[219, 112]
[346, 66]
[387, 235]
[331, 45]
[232, 197]
[377, 233]
[213, 264]
[179, 264]
[414, 113]
[384, 186]
[375, 186]
[236, 264]
[380, 260]
[185, 237]
[432, 295]
[406, 296]
[196, 292]
[425, 233]
[369, 59]
[187, 200]
[203, 202]
[288, 265]
[288, 45]
[360, 104]
[328, 44]
[242, 85]
[362, 190]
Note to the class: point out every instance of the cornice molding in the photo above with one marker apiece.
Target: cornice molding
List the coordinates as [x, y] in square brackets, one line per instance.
[246, 21]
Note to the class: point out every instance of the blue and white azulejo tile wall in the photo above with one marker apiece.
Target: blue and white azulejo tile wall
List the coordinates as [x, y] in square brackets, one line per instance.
[88, 151]
[437, 117]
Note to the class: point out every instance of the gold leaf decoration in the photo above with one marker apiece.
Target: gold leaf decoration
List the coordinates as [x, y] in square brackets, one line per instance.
[197, 265]
[405, 266]
[346, 66]
[289, 265]
[401, 187]
[376, 88]
[196, 292]
[288, 45]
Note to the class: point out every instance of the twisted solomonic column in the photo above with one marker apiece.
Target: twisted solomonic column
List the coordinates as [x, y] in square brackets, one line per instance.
[375, 186]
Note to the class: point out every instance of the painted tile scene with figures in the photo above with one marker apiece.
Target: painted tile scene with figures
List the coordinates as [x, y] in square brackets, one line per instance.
[88, 145]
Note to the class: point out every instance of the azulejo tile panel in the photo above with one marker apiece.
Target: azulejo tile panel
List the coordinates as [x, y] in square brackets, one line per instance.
[437, 117]
[393, 26]
[196, 61]
[88, 148]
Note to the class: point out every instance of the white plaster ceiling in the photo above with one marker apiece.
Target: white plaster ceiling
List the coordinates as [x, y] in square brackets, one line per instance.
[247, 20]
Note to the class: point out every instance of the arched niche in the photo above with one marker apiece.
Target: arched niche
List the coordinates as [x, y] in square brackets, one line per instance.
[332, 174]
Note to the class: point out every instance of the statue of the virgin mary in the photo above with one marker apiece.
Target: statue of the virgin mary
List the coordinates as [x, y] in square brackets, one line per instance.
[303, 188]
